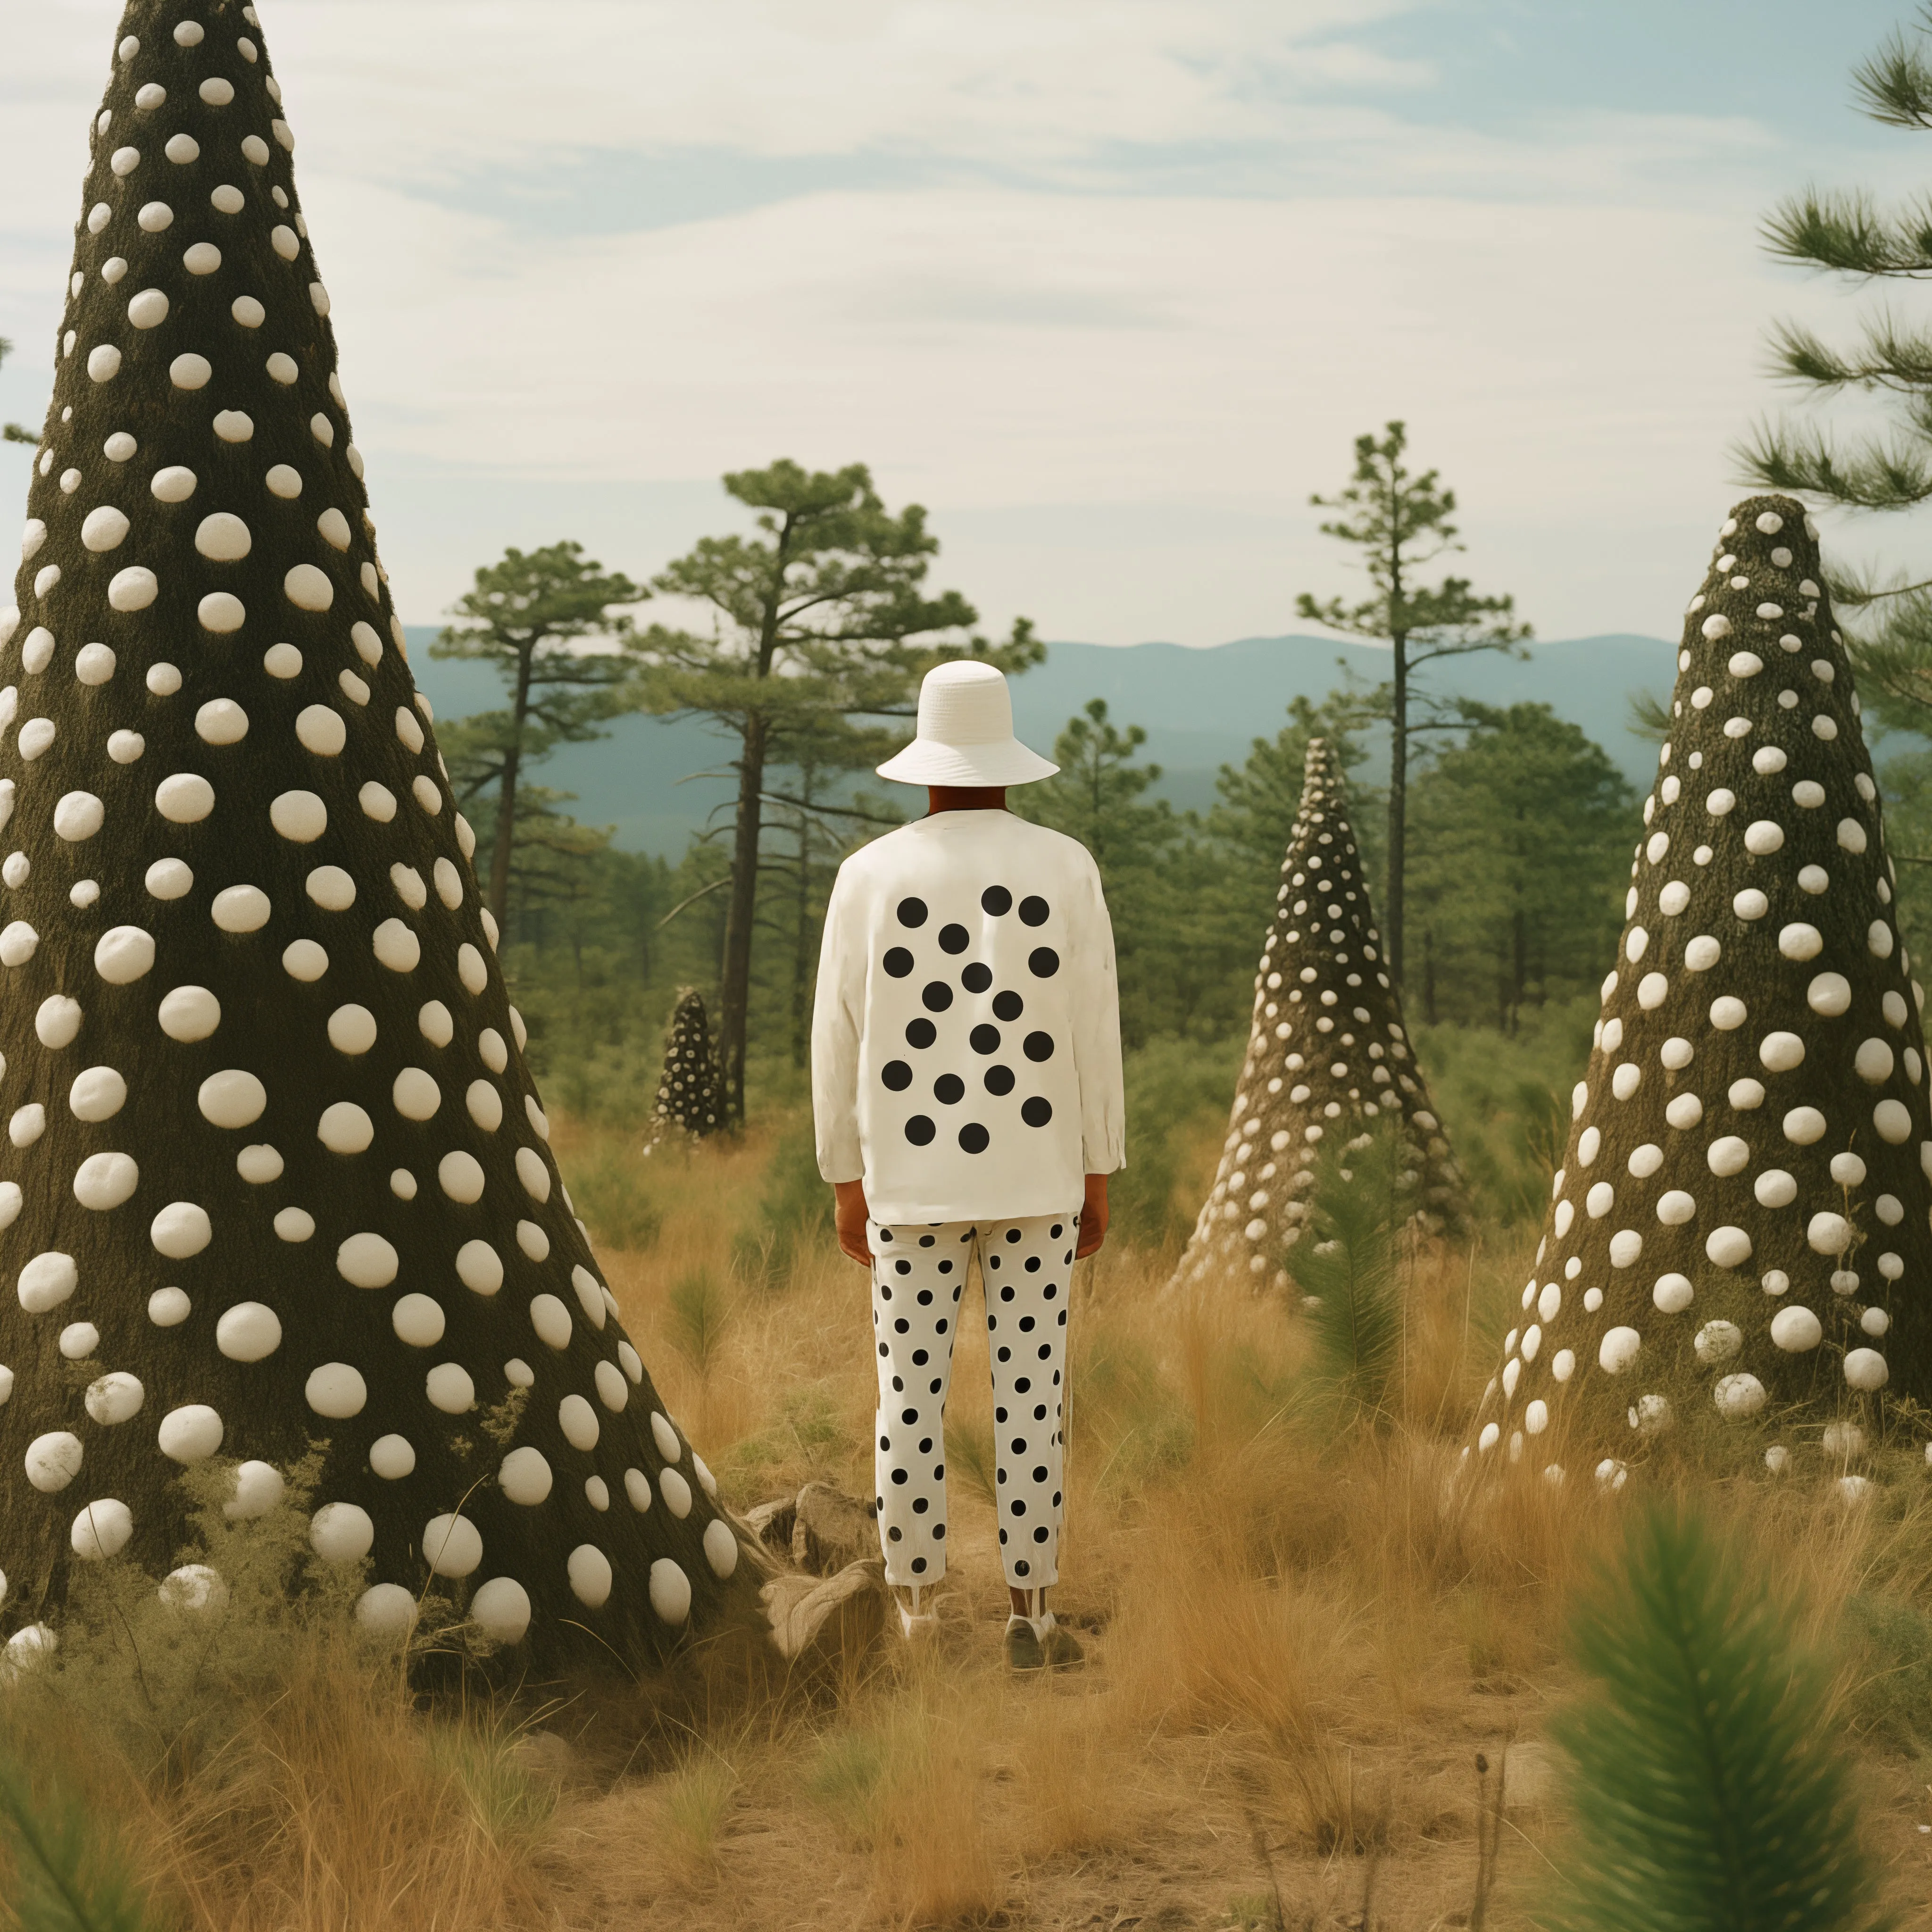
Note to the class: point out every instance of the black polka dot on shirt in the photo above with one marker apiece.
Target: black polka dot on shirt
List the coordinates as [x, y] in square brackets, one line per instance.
[898, 962]
[997, 900]
[1036, 1111]
[954, 938]
[1033, 909]
[897, 1075]
[999, 1080]
[948, 1089]
[1008, 1005]
[1039, 1046]
[973, 1138]
[938, 995]
[912, 912]
[977, 977]
[1043, 962]
[921, 1033]
[984, 1039]
[919, 1130]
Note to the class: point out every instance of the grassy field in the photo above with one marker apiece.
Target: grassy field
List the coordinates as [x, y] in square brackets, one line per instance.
[1316, 1661]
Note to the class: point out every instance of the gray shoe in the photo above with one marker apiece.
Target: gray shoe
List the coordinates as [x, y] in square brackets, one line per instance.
[1023, 1646]
[1060, 1648]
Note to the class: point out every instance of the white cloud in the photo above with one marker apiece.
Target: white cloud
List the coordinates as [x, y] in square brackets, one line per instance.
[1115, 403]
[1578, 372]
[1003, 81]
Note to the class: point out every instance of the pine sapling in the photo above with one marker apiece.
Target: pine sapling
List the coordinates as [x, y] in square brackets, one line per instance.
[66, 1875]
[1349, 1268]
[1706, 1792]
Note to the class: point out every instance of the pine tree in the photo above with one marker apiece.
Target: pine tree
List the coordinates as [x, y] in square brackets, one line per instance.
[822, 616]
[523, 616]
[1515, 879]
[1399, 521]
[279, 1176]
[814, 817]
[1887, 369]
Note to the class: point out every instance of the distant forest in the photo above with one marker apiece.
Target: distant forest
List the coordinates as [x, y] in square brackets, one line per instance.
[1497, 835]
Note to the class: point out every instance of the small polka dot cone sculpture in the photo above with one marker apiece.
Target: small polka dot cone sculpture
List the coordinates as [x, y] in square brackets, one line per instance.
[689, 1100]
[1739, 1227]
[1328, 1055]
[277, 1170]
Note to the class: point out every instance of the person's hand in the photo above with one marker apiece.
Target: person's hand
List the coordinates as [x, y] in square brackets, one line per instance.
[1092, 1217]
[850, 1215]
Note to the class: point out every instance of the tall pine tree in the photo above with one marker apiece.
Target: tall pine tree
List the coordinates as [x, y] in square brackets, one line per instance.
[1400, 522]
[523, 615]
[823, 615]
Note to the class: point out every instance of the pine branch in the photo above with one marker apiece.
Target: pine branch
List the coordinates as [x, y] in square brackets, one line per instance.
[1647, 717]
[703, 891]
[1893, 86]
[1802, 462]
[1845, 233]
[1889, 357]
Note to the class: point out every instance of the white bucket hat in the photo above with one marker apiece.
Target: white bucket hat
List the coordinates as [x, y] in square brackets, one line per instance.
[966, 732]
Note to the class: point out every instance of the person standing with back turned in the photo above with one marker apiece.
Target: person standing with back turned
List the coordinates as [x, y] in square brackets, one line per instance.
[966, 1088]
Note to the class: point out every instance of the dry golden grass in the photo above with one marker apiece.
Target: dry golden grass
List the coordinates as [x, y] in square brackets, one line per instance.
[1302, 1632]
[334, 1805]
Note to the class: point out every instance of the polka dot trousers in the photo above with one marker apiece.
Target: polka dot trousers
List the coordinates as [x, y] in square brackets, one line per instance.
[919, 1275]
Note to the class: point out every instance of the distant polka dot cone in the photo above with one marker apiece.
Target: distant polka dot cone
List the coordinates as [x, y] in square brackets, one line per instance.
[690, 1097]
[276, 1170]
[1739, 1232]
[1327, 1056]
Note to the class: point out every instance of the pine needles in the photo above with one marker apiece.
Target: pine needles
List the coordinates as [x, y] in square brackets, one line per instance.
[699, 1315]
[1348, 1264]
[66, 1875]
[1707, 1795]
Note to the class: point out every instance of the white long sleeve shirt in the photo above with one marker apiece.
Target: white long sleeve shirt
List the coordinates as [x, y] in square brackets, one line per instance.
[966, 1038]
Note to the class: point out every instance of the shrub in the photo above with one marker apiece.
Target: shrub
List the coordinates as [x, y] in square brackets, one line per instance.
[1178, 1094]
[609, 1192]
[794, 1211]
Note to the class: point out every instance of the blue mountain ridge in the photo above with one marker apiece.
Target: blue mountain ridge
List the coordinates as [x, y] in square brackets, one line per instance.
[1201, 709]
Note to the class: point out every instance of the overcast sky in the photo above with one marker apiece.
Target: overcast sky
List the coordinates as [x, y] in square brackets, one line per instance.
[1110, 287]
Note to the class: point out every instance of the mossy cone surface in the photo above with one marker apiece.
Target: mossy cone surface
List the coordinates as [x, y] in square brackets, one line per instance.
[1328, 1056]
[277, 1173]
[1739, 1233]
[689, 1097]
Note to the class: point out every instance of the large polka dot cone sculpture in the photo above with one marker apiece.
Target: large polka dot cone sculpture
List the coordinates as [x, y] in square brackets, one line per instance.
[1739, 1227]
[276, 1170]
[690, 1100]
[1328, 1055]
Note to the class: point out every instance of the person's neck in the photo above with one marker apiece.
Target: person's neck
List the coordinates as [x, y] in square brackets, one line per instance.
[964, 798]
